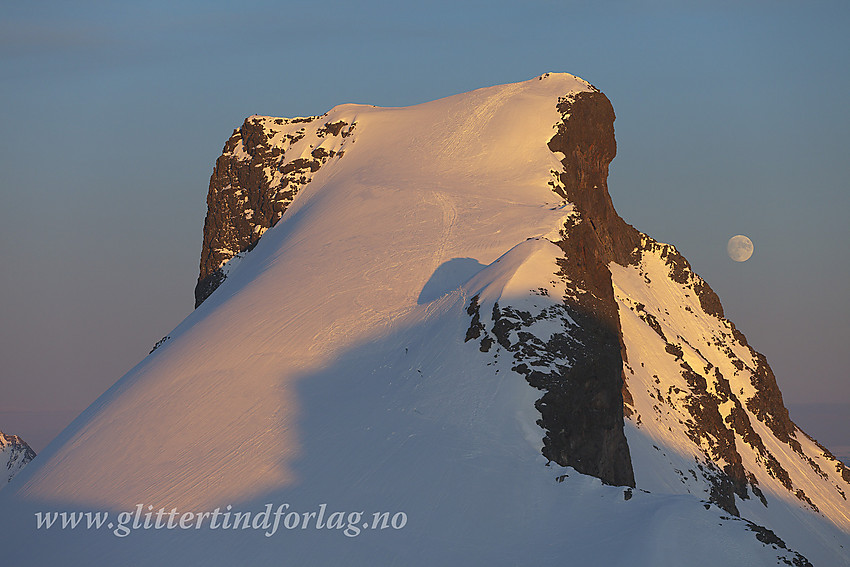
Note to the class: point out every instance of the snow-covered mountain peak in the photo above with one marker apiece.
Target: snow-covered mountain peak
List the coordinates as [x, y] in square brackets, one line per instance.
[492, 140]
[437, 310]
[15, 454]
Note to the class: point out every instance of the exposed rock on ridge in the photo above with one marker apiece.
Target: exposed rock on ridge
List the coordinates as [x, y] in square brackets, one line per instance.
[585, 136]
[715, 417]
[264, 164]
[16, 454]
[580, 368]
[584, 415]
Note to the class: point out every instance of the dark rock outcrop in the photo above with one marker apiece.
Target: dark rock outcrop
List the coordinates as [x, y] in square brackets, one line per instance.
[581, 407]
[253, 183]
[585, 136]
[15, 454]
[579, 370]
[583, 410]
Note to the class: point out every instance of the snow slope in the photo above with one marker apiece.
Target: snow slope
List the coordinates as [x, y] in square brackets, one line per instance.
[673, 345]
[331, 367]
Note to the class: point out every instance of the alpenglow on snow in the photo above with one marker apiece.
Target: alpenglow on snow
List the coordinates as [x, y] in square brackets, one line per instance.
[431, 322]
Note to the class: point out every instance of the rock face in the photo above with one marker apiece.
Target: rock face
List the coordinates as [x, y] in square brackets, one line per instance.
[582, 408]
[599, 238]
[15, 454]
[264, 164]
[594, 238]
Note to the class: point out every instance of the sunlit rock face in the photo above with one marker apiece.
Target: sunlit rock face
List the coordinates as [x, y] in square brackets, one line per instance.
[263, 166]
[15, 454]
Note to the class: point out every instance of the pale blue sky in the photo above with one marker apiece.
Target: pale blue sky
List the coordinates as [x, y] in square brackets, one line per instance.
[731, 118]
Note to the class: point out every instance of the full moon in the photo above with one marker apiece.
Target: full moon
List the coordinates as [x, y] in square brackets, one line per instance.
[740, 248]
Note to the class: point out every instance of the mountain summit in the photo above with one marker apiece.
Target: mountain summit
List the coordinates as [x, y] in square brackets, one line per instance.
[15, 454]
[431, 322]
